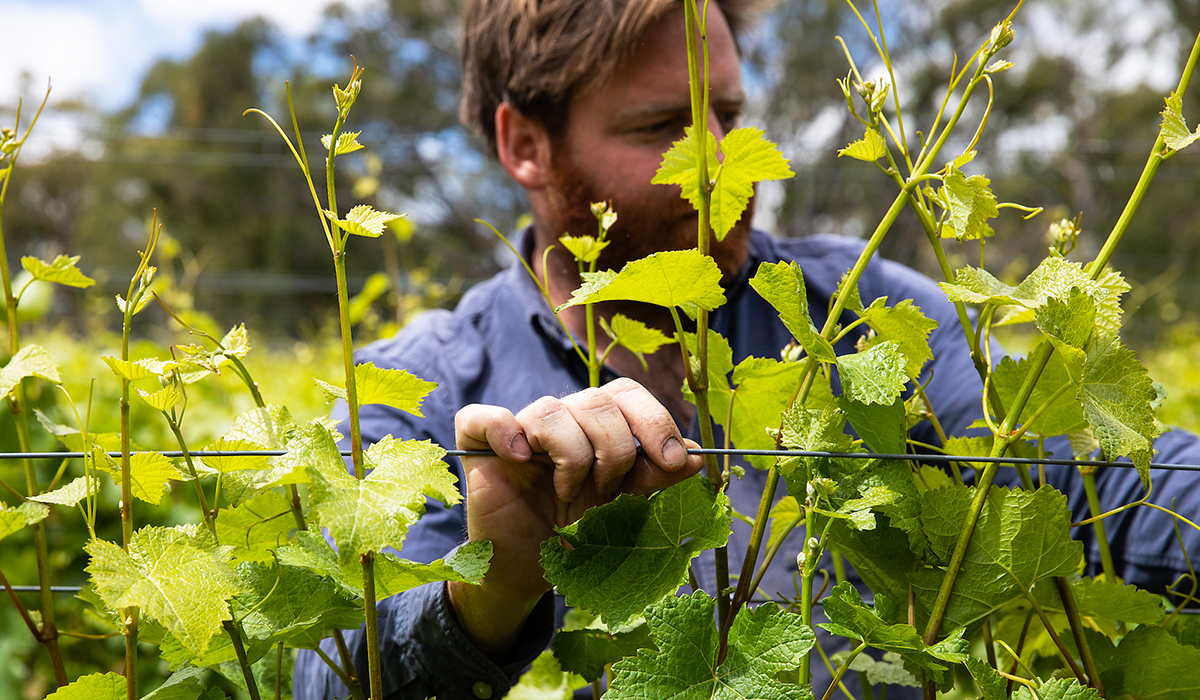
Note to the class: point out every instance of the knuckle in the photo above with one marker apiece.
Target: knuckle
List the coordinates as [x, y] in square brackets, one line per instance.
[545, 408]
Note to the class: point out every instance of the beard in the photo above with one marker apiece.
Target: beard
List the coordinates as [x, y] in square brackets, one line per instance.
[646, 224]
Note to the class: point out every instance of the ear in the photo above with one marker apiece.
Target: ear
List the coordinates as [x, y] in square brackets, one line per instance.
[523, 147]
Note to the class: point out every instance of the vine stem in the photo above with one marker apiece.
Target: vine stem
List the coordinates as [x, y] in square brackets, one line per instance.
[374, 669]
[697, 41]
[1085, 651]
[837, 679]
[1101, 532]
[247, 674]
[17, 405]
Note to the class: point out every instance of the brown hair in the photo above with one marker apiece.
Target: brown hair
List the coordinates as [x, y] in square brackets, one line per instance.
[535, 53]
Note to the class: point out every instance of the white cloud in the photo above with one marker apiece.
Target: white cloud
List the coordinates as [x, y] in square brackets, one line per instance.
[99, 49]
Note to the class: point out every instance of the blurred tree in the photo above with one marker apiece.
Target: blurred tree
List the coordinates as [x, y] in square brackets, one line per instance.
[1070, 129]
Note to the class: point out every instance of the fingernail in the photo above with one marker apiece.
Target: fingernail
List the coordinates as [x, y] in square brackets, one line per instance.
[520, 446]
[577, 491]
[674, 453]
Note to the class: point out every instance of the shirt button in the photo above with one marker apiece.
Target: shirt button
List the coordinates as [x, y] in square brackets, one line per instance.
[482, 690]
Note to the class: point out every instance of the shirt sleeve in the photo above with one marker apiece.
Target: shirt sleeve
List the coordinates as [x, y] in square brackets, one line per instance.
[425, 653]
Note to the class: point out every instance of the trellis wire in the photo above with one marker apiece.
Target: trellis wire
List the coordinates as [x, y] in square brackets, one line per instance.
[937, 458]
[693, 451]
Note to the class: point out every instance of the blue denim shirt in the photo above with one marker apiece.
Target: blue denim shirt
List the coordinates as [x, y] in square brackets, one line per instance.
[502, 346]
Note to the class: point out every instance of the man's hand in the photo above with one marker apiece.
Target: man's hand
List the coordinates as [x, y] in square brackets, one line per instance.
[555, 459]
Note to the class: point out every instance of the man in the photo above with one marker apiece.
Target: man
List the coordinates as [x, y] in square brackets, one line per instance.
[579, 99]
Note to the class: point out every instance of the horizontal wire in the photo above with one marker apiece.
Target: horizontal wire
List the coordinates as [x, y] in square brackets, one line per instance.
[938, 458]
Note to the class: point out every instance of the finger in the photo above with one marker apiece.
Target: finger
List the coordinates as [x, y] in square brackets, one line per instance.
[650, 422]
[647, 477]
[480, 427]
[613, 446]
[551, 428]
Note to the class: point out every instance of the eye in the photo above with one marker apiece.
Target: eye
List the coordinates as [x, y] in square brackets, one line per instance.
[729, 119]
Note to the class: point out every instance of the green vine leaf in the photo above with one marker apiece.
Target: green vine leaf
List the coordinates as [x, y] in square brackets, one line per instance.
[1020, 539]
[634, 336]
[586, 249]
[991, 684]
[761, 390]
[236, 342]
[164, 399]
[224, 465]
[784, 515]
[669, 278]
[292, 604]
[373, 513]
[1150, 663]
[882, 427]
[15, 519]
[1117, 397]
[1175, 131]
[905, 325]
[763, 642]
[149, 473]
[875, 375]
[257, 527]
[61, 271]
[870, 148]
[782, 286]
[1063, 416]
[347, 142]
[74, 492]
[1106, 600]
[30, 361]
[1062, 689]
[969, 203]
[468, 563]
[179, 577]
[94, 686]
[363, 221]
[748, 158]
[1054, 277]
[850, 617]
[633, 551]
[392, 387]
[134, 370]
[586, 652]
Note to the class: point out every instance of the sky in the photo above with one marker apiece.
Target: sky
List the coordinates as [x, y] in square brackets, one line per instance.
[99, 49]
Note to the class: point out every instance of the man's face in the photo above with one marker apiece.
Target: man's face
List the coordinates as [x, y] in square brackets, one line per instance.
[615, 136]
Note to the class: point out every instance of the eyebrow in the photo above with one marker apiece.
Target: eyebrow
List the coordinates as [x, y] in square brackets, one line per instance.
[663, 110]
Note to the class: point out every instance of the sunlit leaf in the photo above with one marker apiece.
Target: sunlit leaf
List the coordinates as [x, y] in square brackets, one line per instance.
[905, 325]
[74, 492]
[135, 370]
[30, 361]
[149, 473]
[870, 148]
[668, 278]
[875, 375]
[782, 286]
[61, 271]
[586, 249]
[347, 142]
[363, 221]
[1175, 131]
[94, 686]
[373, 513]
[178, 576]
